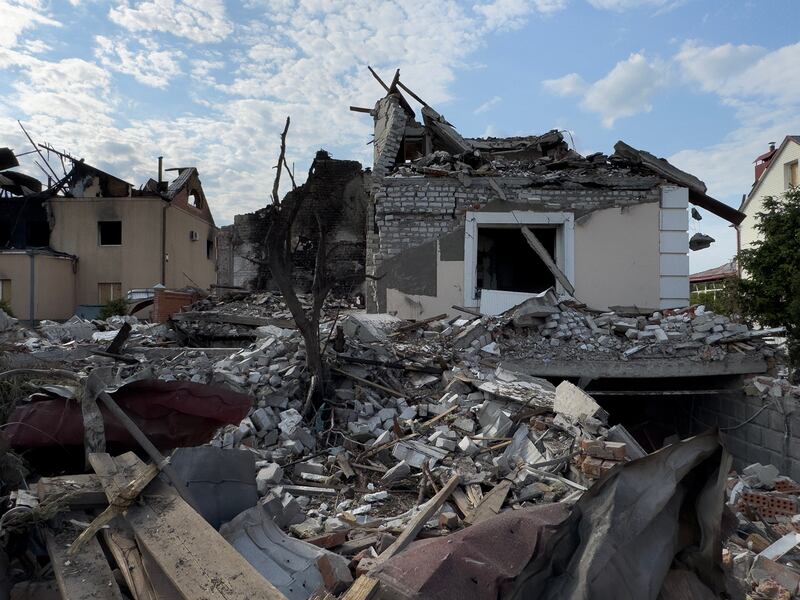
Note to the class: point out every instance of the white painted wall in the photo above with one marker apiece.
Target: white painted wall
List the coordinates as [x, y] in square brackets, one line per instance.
[772, 183]
[617, 257]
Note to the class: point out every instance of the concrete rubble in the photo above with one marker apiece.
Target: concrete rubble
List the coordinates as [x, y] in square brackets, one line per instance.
[413, 410]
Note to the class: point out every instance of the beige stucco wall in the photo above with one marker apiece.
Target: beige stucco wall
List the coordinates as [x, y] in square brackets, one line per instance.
[137, 262]
[617, 261]
[188, 263]
[617, 257]
[773, 183]
[54, 285]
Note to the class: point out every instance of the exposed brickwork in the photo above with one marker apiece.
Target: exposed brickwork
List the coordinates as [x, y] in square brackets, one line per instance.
[168, 302]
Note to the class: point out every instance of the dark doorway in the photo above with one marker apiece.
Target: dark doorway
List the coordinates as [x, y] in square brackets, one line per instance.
[507, 263]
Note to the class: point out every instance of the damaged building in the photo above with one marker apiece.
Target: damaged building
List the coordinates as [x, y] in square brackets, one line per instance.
[91, 238]
[486, 223]
[334, 197]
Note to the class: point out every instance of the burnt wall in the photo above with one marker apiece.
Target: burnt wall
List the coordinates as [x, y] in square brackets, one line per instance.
[23, 223]
[333, 197]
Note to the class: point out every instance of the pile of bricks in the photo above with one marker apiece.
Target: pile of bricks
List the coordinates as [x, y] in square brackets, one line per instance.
[597, 457]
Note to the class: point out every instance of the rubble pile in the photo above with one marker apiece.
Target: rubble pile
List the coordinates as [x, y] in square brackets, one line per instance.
[546, 160]
[423, 434]
[575, 334]
[763, 552]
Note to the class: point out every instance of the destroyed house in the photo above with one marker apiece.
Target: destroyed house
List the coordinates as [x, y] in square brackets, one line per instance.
[487, 223]
[91, 238]
[334, 197]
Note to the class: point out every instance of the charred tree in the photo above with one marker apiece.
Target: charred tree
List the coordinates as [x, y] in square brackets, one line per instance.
[278, 246]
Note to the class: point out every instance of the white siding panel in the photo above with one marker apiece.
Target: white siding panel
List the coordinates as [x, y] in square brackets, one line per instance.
[675, 264]
[674, 287]
[674, 219]
[674, 197]
[676, 242]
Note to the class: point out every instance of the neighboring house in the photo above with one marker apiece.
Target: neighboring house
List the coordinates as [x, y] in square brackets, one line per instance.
[106, 240]
[776, 171]
[711, 282]
[447, 217]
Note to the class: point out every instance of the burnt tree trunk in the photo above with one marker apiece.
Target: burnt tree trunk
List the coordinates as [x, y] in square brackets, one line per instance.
[279, 258]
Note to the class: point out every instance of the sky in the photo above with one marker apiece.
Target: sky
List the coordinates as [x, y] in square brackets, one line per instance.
[706, 84]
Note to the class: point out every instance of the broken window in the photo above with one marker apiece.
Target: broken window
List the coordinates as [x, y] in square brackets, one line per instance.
[5, 290]
[109, 233]
[195, 200]
[108, 291]
[506, 261]
[210, 249]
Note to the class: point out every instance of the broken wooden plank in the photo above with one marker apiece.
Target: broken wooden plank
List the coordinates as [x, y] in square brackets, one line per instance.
[85, 576]
[548, 261]
[163, 587]
[117, 507]
[490, 504]
[123, 548]
[416, 524]
[469, 311]
[193, 555]
[82, 491]
[363, 588]
[462, 502]
[369, 383]
[417, 324]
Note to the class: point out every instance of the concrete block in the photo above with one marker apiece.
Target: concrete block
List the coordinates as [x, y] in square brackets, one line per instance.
[573, 402]
[272, 473]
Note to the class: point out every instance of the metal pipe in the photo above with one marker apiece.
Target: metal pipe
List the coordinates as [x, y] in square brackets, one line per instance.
[160, 168]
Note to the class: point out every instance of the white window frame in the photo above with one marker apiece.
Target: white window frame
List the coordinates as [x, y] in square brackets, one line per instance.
[564, 251]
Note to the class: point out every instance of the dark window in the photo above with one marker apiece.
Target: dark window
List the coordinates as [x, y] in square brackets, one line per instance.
[506, 262]
[195, 199]
[210, 249]
[109, 233]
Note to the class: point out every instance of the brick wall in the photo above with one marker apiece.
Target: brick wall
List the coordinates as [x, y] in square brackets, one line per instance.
[168, 302]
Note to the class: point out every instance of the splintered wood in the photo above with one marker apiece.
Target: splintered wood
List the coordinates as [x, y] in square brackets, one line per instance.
[193, 555]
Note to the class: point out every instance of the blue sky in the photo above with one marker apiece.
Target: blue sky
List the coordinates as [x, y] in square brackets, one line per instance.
[704, 83]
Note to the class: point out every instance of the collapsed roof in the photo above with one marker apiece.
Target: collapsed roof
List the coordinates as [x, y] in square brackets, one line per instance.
[434, 148]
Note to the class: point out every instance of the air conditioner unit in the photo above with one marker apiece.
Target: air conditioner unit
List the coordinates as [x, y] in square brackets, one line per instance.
[193, 236]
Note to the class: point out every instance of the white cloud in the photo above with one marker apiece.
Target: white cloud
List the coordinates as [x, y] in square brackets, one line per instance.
[622, 5]
[201, 21]
[488, 105]
[571, 84]
[19, 15]
[625, 91]
[304, 58]
[512, 14]
[149, 65]
[713, 67]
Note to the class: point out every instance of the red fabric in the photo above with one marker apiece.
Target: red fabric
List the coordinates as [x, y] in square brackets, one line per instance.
[170, 413]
